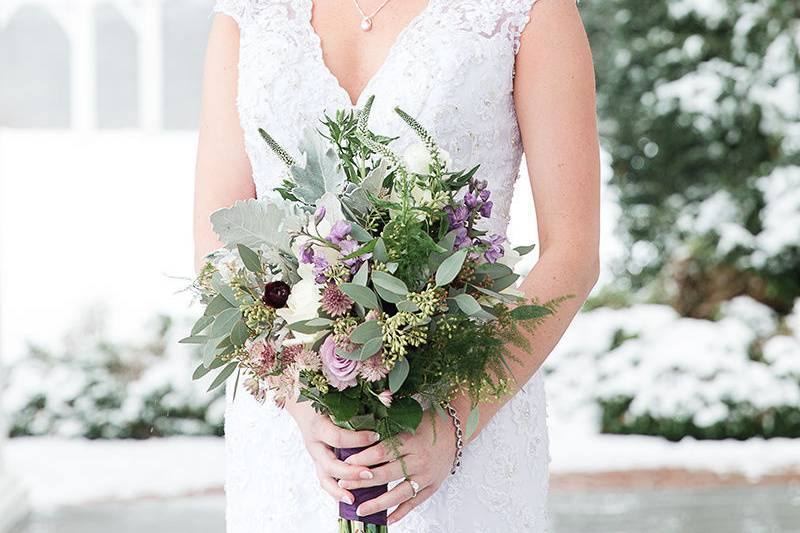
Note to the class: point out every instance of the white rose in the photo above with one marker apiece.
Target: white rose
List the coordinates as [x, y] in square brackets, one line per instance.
[417, 158]
[303, 302]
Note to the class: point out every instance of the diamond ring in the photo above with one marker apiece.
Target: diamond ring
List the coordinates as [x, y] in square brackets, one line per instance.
[414, 485]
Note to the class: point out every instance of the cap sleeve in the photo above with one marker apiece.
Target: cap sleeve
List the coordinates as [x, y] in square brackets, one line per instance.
[236, 9]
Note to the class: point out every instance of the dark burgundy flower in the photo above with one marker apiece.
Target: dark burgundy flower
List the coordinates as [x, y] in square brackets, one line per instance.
[276, 293]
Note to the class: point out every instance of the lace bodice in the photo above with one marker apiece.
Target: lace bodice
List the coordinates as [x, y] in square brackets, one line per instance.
[451, 68]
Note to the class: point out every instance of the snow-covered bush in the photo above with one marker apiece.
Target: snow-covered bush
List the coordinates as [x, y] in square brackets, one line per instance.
[647, 370]
[98, 388]
[701, 115]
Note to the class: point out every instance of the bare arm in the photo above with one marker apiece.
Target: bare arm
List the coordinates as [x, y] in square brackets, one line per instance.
[223, 172]
[554, 95]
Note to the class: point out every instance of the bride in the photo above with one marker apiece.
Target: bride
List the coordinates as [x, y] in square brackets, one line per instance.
[490, 79]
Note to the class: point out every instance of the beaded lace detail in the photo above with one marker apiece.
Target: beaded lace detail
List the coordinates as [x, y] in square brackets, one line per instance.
[452, 68]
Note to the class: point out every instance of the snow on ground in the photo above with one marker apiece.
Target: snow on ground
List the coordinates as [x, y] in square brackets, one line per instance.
[69, 472]
[72, 472]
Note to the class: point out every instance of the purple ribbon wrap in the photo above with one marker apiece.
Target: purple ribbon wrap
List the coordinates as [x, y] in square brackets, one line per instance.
[348, 511]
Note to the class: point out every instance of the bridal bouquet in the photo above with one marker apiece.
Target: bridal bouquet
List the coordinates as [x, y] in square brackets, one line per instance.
[364, 286]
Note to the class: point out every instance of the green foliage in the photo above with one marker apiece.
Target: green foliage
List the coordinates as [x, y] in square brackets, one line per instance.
[744, 421]
[691, 106]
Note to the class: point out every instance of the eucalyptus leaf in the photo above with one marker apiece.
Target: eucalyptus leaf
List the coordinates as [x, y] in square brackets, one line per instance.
[407, 307]
[223, 325]
[217, 304]
[398, 374]
[506, 298]
[467, 304]
[202, 323]
[389, 282]
[309, 328]
[360, 294]
[360, 277]
[240, 333]
[380, 253]
[202, 370]
[366, 331]
[210, 351]
[523, 250]
[389, 296]
[493, 270]
[504, 282]
[224, 374]
[224, 290]
[371, 347]
[450, 268]
[194, 339]
[251, 260]
[355, 355]
[359, 233]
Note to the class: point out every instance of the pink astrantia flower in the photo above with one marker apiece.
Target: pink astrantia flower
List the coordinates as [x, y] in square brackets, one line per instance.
[340, 372]
[262, 354]
[334, 301]
[373, 369]
[386, 398]
[308, 360]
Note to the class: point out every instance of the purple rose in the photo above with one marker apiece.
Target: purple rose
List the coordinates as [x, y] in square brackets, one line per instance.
[339, 231]
[340, 372]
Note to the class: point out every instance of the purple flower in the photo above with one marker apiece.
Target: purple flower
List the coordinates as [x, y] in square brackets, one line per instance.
[462, 239]
[347, 247]
[319, 214]
[320, 266]
[339, 231]
[307, 254]
[470, 200]
[477, 185]
[486, 209]
[457, 216]
[495, 250]
[485, 193]
[340, 372]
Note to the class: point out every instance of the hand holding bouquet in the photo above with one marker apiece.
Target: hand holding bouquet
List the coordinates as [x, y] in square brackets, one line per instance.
[365, 286]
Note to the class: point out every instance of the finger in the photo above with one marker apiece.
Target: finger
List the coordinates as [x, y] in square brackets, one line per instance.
[400, 493]
[326, 459]
[375, 455]
[337, 437]
[404, 508]
[329, 485]
[383, 474]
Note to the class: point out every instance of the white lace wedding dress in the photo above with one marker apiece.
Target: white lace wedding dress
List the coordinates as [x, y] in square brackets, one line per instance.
[452, 68]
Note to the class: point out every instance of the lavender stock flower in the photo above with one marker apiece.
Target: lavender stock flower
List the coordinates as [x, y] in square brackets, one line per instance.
[339, 231]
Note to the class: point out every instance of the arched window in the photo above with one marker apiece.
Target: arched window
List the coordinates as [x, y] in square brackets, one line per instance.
[117, 82]
[34, 71]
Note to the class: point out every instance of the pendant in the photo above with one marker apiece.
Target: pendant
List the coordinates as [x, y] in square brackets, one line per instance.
[366, 24]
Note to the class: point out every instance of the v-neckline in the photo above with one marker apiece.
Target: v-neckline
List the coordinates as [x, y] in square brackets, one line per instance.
[398, 42]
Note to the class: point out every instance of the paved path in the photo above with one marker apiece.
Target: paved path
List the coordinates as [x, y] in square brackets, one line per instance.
[737, 509]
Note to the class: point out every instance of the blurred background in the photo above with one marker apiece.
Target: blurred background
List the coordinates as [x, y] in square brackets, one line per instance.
[674, 399]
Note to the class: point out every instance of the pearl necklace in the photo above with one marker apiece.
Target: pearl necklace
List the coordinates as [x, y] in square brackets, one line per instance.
[366, 20]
